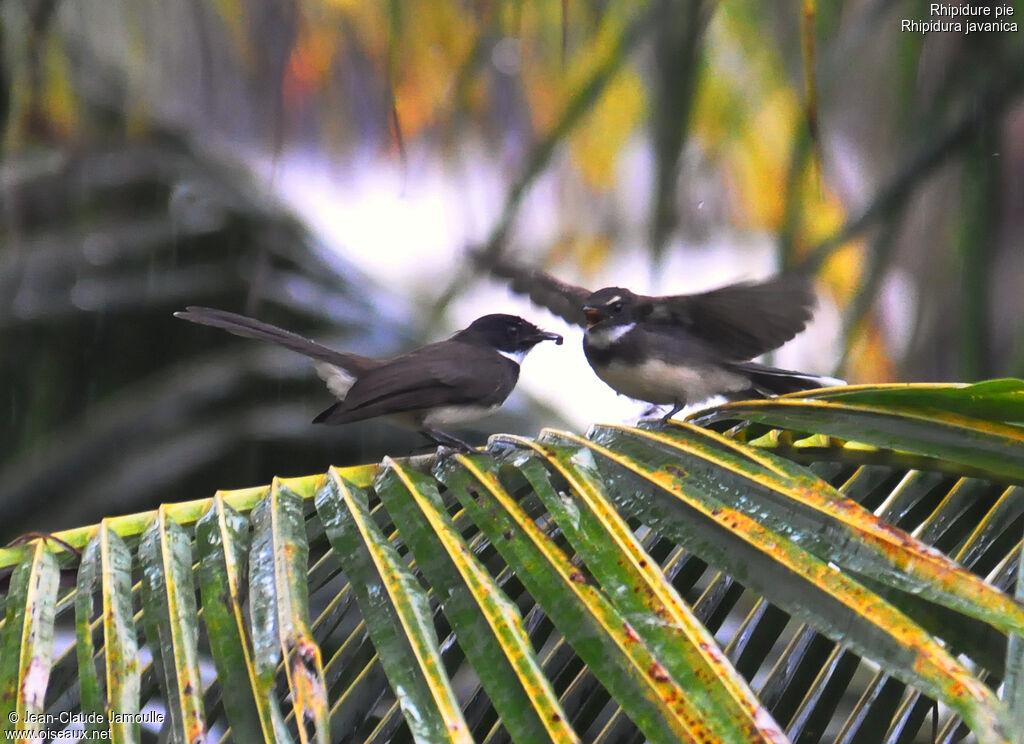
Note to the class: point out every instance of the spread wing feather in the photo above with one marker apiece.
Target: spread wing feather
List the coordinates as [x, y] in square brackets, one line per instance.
[564, 300]
[740, 320]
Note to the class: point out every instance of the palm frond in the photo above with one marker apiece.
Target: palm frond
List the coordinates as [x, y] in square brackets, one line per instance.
[829, 567]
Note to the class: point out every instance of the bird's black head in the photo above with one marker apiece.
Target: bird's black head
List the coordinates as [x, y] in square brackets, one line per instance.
[609, 307]
[508, 334]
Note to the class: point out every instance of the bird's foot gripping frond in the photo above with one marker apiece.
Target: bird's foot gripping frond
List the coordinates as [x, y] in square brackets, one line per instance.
[650, 418]
[444, 439]
[676, 408]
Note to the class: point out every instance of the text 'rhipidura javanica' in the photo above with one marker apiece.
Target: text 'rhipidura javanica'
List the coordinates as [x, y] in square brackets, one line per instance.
[680, 349]
[446, 383]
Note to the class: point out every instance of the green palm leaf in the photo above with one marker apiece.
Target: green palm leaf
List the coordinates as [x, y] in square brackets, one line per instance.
[825, 569]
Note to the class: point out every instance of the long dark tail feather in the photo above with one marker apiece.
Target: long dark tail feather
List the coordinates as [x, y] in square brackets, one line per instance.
[774, 381]
[241, 325]
[325, 415]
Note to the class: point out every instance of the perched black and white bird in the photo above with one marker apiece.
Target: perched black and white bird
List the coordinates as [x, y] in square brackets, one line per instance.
[680, 349]
[447, 383]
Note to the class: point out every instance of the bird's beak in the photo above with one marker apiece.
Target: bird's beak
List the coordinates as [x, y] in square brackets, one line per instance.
[549, 336]
[593, 316]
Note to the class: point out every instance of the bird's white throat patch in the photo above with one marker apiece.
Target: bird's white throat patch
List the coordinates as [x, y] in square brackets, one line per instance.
[515, 356]
[605, 337]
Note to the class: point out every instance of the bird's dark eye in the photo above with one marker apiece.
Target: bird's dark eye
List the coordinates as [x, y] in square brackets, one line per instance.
[512, 332]
[617, 307]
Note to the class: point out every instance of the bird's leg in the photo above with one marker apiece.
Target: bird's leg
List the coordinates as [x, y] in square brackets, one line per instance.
[676, 408]
[445, 439]
[660, 421]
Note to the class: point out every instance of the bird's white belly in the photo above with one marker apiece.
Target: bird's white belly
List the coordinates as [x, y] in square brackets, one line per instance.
[657, 382]
[454, 415]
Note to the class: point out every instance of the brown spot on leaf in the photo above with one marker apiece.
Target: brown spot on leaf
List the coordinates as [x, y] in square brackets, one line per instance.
[657, 672]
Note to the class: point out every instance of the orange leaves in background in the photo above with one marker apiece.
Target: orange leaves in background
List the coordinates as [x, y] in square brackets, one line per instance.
[421, 47]
[309, 65]
[434, 42]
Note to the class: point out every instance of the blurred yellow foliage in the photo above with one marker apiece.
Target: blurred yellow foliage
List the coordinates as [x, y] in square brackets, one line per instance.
[598, 141]
[842, 266]
[758, 159]
[59, 105]
[589, 253]
[747, 117]
[434, 43]
[232, 13]
[420, 45]
[869, 359]
[370, 23]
